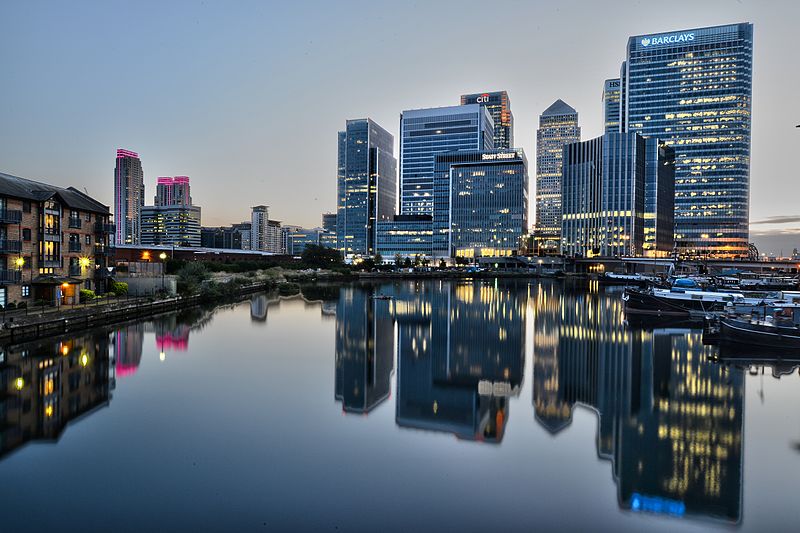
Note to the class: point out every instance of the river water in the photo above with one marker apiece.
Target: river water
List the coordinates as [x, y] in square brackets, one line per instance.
[476, 406]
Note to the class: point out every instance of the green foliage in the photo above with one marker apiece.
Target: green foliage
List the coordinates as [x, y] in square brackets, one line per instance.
[11, 305]
[398, 259]
[407, 262]
[321, 256]
[119, 288]
[190, 277]
[86, 295]
[378, 258]
[288, 289]
[442, 264]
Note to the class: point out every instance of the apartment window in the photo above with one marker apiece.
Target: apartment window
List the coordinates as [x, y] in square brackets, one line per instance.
[87, 284]
[88, 217]
[26, 234]
[88, 239]
[26, 206]
[26, 291]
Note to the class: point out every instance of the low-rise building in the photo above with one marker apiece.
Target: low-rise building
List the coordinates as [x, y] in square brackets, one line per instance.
[53, 242]
[405, 236]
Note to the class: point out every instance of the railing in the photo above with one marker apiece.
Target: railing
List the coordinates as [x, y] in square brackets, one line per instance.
[50, 263]
[8, 246]
[10, 276]
[74, 271]
[74, 246]
[100, 227]
[75, 223]
[10, 216]
[100, 249]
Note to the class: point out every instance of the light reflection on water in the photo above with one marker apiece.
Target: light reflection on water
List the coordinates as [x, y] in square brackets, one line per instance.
[503, 366]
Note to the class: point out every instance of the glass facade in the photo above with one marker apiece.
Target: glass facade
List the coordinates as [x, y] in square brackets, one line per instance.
[171, 224]
[128, 197]
[611, 104]
[603, 196]
[427, 132]
[498, 105]
[366, 183]
[558, 126]
[693, 90]
[406, 236]
[659, 198]
[481, 203]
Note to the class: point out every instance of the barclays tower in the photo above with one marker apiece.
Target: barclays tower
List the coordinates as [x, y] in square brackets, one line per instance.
[692, 89]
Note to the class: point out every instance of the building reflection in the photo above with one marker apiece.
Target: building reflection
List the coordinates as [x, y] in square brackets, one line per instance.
[670, 419]
[364, 349]
[128, 343]
[461, 354]
[48, 384]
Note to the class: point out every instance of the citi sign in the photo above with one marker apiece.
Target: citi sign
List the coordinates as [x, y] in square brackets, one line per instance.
[675, 38]
[482, 99]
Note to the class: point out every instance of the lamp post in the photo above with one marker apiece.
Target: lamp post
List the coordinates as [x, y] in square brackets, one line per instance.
[162, 256]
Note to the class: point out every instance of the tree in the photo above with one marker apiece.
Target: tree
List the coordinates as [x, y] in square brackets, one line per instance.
[378, 258]
[417, 260]
[407, 262]
[398, 259]
[442, 263]
[321, 256]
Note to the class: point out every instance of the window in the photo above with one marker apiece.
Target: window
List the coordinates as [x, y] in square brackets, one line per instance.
[88, 217]
[87, 284]
[88, 239]
[26, 291]
[26, 234]
[26, 206]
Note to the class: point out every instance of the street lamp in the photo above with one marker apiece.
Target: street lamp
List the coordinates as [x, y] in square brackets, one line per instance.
[162, 256]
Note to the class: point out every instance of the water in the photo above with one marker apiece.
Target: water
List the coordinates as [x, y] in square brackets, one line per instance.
[497, 405]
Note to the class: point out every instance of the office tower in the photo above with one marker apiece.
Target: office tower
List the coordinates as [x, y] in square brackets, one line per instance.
[173, 220]
[244, 229]
[366, 183]
[693, 89]
[128, 197]
[499, 106]
[659, 198]
[481, 203]
[173, 191]
[329, 222]
[603, 196]
[427, 132]
[405, 236]
[611, 105]
[558, 126]
[265, 234]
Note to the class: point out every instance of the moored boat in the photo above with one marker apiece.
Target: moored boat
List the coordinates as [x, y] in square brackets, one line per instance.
[779, 328]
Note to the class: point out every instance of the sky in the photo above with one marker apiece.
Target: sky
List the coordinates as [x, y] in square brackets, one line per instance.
[246, 98]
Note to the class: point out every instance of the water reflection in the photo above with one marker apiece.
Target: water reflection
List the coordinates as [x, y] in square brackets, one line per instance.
[670, 419]
[364, 350]
[461, 354]
[47, 384]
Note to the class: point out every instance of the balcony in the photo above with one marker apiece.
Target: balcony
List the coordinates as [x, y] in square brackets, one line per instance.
[50, 263]
[101, 227]
[75, 223]
[10, 276]
[10, 216]
[74, 247]
[74, 271]
[10, 247]
[100, 249]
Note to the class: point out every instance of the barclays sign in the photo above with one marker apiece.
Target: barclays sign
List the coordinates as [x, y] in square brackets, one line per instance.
[674, 38]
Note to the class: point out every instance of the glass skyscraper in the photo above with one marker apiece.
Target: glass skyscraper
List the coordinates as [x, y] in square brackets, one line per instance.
[481, 203]
[366, 183]
[427, 132]
[128, 197]
[558, 126]
[659, 198]
[693, 90]
[499, 106]
[611, 104]
[603, 196]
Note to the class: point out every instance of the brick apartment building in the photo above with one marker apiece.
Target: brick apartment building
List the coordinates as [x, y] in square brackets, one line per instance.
[53, 242]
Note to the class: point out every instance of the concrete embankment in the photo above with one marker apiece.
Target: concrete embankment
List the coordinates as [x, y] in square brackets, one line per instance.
[24, 328]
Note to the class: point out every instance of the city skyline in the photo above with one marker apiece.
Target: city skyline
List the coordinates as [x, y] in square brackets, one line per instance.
[223, 146]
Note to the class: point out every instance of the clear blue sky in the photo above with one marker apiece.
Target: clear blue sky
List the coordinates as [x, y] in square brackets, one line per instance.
[246, 97]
